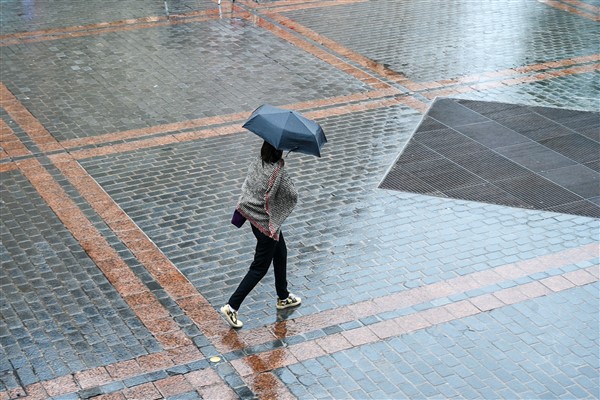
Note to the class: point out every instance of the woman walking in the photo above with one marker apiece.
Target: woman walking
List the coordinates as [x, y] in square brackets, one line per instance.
[268, 198]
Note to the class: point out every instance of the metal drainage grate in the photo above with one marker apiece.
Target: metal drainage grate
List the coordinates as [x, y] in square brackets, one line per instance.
[441, 160]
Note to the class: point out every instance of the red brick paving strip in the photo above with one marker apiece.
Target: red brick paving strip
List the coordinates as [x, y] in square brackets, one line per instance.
[109, 27]
[365, 62]
[205, 382]
[294, 5]
[10, 143]
[236, 118]
[322, 55]
[573, 10]
[150, 256]
[36, 131]
[268, 361]
[581, 69]
[105, 257]
[585, 6]
[154, 130]
[412, 297]
[117, 372]
[89, 27]
[11, 166]
[235, 129]
[254, 369]
[505, 73]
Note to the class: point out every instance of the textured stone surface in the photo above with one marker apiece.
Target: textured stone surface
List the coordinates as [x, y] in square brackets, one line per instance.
[429, 40]
[59, 313]
[122, 156]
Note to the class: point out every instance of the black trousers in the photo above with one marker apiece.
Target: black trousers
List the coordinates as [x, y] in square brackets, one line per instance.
[267, 250]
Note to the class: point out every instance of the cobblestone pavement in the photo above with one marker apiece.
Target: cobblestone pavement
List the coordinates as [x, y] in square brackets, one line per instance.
[122, 156]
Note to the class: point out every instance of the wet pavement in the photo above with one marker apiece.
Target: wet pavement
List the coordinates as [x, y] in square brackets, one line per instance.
[122, 159]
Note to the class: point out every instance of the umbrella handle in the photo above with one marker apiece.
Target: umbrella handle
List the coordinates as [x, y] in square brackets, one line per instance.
[289, 151]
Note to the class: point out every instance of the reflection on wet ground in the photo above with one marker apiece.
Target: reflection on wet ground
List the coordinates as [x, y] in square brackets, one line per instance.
[122, 155]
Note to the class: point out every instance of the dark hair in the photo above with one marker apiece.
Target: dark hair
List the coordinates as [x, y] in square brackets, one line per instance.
[270, 154]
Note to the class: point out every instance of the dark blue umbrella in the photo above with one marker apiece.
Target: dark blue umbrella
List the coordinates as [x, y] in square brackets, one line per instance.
[287, 130]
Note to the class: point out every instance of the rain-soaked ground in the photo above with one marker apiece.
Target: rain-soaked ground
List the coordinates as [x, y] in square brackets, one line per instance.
[444, 245]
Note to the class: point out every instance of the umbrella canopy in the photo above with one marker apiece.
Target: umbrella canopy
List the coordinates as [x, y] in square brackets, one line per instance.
[287, 130]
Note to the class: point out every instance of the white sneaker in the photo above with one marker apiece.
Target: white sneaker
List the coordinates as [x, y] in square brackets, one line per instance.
[291, 301]
[231, 316]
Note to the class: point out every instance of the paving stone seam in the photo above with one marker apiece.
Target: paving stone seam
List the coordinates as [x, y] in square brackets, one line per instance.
[573, 10]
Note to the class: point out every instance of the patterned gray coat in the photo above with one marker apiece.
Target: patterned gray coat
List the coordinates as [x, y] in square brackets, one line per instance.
[268, 196]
